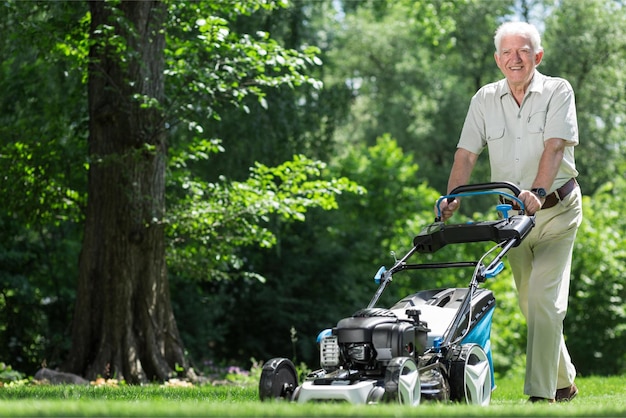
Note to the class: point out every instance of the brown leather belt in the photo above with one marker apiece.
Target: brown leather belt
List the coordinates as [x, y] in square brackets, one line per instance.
[559, 194]
[553, 198]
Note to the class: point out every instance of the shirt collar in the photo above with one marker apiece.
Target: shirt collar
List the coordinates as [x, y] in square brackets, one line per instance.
[536, 85]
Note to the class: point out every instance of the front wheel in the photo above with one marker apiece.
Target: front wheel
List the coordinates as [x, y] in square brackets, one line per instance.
[470, 376]
[279, 379]
[402, 383]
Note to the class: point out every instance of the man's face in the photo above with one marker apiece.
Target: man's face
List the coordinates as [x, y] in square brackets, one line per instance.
[517, 60]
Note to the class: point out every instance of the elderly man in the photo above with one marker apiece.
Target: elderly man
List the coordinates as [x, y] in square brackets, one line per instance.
[528, 123]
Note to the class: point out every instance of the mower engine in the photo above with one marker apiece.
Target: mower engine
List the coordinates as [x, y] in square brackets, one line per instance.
[372, 337]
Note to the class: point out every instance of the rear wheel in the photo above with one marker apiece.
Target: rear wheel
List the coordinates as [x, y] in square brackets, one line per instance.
[470, 376]
[402, 383]
[279, 379]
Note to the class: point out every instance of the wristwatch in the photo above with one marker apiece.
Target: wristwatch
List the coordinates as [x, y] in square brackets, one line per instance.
[540, 192]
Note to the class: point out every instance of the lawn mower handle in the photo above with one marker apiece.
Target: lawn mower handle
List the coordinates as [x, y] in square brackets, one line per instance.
[487, 186]
[482, 188]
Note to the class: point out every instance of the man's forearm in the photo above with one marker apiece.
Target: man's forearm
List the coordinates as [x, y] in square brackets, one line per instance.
[462, 168]
[549, 164]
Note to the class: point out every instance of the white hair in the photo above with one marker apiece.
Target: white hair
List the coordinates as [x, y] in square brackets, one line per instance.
[518, 28]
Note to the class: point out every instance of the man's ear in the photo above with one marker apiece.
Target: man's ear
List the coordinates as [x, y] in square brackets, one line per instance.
[538, 57]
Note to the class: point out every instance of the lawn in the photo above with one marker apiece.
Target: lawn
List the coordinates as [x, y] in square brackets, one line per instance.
[598, 397]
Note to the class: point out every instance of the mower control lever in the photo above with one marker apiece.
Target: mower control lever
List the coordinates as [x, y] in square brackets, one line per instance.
[504, 210]
[379, 275]
[494, 271]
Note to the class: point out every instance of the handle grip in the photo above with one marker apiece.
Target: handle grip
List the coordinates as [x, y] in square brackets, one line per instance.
[487, 186]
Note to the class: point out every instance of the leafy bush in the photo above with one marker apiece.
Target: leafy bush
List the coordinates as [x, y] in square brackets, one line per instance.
[595, 325]
[10, 376]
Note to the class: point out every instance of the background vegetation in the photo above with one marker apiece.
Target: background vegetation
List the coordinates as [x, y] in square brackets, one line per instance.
[255, 268]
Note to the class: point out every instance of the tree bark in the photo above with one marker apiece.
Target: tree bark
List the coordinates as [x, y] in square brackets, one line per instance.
[123, 324]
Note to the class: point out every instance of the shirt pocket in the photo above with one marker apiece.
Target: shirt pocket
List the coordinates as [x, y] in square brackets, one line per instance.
[537, 122]
[495, 141]
[494, 133]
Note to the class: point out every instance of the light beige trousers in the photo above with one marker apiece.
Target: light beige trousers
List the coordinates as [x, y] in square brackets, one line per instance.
[541, 266]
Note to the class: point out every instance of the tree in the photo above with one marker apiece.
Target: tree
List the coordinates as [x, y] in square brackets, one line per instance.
[207, 68]
[124, 324]
[123, 321]
[585, 43]
[412, 67]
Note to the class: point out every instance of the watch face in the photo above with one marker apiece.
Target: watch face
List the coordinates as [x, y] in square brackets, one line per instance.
[541, 192]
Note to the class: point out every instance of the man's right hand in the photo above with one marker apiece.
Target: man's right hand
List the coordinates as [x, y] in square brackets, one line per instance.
[447, 208]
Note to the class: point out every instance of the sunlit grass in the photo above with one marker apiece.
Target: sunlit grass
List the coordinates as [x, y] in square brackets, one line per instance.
[598, 397]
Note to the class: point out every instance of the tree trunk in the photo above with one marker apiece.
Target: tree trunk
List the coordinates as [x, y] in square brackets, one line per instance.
[123, 323]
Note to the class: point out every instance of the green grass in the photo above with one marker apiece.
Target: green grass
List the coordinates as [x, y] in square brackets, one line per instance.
[598, 397]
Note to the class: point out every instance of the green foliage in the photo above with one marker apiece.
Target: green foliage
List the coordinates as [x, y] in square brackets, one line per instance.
[37, 271]
[45, 188]
[8, 375]
[398, 204]
[508, 331]
[595, 324]
[42, 119]
[206, 58]
[279, 122]
[43, 124]
[412, 69]
[318, 271]
[213, 220]
[43, 127]
[585, 43]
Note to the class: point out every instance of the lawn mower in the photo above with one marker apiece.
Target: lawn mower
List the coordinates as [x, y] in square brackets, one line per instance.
[431, 345]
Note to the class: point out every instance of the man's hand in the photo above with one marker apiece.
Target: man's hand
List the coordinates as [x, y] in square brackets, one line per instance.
[447, 208]
[532, 202]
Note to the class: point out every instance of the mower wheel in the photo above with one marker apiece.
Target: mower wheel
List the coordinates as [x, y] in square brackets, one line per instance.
[402, 383]
[470, 376]
[279, 379]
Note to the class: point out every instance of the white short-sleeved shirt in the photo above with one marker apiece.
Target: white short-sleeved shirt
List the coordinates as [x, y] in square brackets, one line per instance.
[515, 135]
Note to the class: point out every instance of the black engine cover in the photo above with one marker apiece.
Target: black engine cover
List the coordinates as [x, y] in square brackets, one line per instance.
[384, 331]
